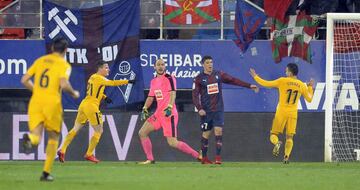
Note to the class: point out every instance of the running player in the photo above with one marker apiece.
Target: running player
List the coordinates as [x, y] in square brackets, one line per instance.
[51, 74]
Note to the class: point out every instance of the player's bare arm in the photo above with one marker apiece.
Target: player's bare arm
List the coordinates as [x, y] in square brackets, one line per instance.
[145, 112]
[66, 86]
[172, 97]
[148, 102]
[25, 80]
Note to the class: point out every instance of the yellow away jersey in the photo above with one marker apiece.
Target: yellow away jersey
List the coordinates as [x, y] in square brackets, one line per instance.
[47, 71]
[290, 91]
[96, 86]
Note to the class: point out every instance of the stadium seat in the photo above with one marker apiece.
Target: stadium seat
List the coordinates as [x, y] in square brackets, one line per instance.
[12, 33]
[4, 3]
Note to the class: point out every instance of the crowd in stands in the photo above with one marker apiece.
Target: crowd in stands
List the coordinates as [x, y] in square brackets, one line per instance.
[9, 20]
[12, 22]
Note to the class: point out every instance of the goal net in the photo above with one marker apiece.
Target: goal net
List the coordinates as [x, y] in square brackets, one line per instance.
[342, 116]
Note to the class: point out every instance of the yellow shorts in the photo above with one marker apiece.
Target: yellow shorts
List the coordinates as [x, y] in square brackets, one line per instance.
[50, 113]
[281, 121]
[89, 112]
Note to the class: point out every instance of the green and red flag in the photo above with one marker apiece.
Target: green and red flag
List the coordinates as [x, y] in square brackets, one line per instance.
[192, 11]
[292, 36]
[276, 8]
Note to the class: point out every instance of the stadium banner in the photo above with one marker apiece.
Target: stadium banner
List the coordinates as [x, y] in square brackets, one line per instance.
[109, 33]
[192, 12]
[247, 24]
[244, 139]
[16, 56]
[183, 60]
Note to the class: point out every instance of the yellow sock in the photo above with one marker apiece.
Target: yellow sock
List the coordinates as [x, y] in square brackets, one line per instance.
[69, 137]
[35, 140]
[50, 154]
[274, 139]
[288, 147]
[93, 142]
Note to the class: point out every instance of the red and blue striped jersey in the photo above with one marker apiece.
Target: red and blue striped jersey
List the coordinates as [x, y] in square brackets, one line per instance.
[207, 93]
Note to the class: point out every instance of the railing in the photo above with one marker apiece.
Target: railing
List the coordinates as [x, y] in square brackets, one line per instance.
[26, 14]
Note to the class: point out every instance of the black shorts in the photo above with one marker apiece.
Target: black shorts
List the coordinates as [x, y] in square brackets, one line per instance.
[212, 119]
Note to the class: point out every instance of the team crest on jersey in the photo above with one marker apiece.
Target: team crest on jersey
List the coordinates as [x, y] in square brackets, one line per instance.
[158, 94]
[213, 88]
[125, 73]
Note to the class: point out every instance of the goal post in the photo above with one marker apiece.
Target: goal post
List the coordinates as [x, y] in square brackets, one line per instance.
[342, 120]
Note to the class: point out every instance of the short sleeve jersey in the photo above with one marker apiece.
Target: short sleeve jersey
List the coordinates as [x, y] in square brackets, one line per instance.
[160, 88]
[47, 72]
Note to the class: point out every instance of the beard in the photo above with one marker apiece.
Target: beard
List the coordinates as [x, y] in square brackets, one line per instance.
[160, 72]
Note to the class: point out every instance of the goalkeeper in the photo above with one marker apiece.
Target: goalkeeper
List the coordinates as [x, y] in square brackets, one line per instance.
[163, 88]
[290, 89]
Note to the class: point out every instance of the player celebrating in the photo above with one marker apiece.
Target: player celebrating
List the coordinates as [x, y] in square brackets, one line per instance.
[89, 110]
[51, 73]
[290, 89]
[207, 98]
[163, 88]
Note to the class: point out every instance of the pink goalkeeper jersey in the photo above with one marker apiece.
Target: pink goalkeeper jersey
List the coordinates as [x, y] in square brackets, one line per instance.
[160, 88]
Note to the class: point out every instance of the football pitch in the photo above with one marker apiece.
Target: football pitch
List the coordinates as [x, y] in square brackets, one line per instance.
[181, 175]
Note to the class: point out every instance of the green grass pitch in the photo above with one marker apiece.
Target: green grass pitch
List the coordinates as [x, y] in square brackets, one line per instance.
[181, 175]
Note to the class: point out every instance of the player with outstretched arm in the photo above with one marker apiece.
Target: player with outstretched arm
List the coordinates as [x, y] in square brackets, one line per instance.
[89, 110]
[290, 90]
[207, 98]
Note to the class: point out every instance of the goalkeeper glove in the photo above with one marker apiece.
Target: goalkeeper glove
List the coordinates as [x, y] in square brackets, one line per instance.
[108, 100]
[168, 110]
[144, 114]
[131, 81]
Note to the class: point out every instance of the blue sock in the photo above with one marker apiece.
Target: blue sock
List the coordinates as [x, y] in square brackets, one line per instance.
[218, 140]
[204, 146]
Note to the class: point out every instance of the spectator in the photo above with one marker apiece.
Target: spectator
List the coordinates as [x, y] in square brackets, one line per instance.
[172, 34]
[319, 7]
[353, 6]
[9, 21]
[4, 3]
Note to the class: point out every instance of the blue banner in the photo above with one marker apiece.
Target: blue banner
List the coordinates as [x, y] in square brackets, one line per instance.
[183, 60]
[16, 56]
[109, 33]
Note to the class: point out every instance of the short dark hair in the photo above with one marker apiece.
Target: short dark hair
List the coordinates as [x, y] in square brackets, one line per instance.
[59, 45]
[100, 64]
[206, 57]
[293, 68]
